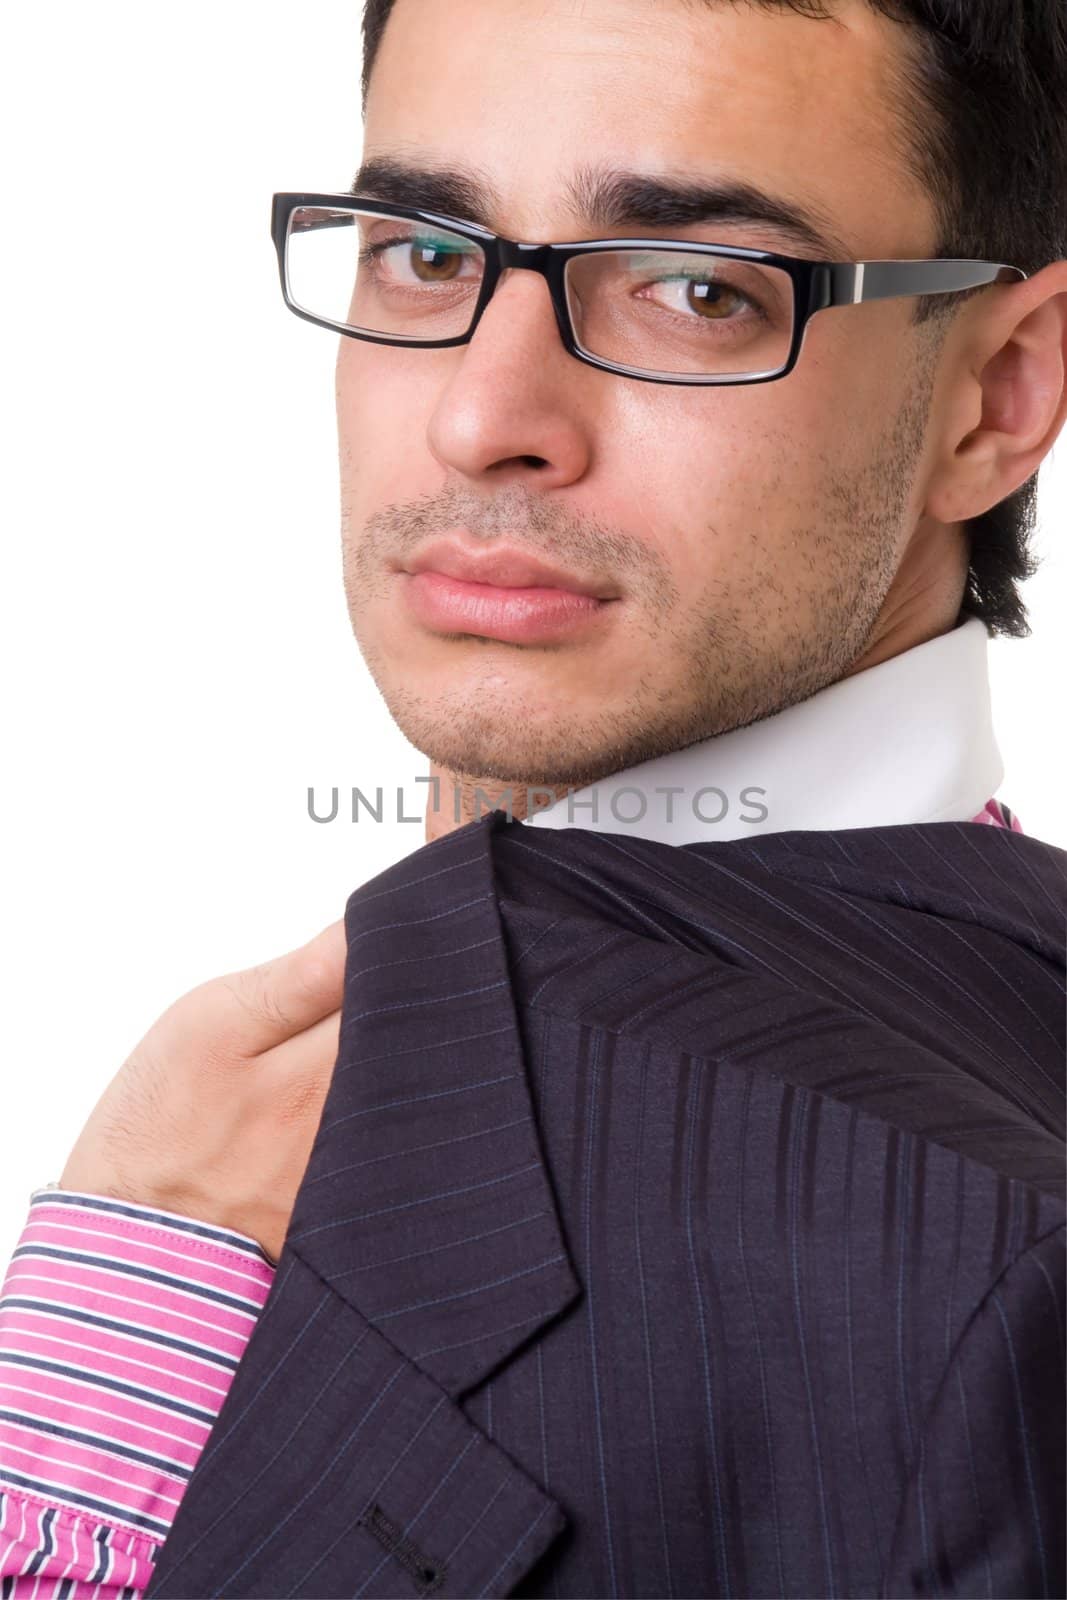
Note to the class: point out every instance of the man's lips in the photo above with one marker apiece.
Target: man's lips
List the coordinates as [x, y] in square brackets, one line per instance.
[503, 569]
[500, 594]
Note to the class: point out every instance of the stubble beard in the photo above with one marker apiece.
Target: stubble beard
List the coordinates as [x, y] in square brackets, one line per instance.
[725, 674]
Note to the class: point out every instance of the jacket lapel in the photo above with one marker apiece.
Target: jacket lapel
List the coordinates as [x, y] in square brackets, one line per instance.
[424, 1249]
[426, 1203]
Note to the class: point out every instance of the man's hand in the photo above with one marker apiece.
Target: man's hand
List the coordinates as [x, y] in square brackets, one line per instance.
[214, 1114]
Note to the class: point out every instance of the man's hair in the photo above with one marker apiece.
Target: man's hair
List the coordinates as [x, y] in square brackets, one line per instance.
[983, 102]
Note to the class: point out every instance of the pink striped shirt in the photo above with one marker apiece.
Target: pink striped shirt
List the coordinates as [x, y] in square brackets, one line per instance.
[121, 1327]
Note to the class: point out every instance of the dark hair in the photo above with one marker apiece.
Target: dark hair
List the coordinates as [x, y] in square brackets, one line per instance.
[983, 100]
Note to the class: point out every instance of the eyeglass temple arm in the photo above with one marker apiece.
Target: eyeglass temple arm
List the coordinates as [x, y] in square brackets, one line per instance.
[855, 281]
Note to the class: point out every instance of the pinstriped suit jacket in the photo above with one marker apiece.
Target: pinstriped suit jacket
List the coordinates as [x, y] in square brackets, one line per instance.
[681, 1221]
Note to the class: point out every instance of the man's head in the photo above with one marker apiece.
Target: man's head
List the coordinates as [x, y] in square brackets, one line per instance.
[761, 541]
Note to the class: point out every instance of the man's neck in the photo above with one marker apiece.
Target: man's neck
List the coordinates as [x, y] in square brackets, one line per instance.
[454, 799]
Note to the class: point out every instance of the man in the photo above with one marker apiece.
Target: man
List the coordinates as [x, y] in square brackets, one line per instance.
[670, 1208]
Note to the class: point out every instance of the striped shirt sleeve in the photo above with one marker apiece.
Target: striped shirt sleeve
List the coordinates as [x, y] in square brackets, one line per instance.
[121, 1327]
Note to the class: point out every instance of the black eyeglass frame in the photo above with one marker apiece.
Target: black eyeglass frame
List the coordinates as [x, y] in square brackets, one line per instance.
[817, 285]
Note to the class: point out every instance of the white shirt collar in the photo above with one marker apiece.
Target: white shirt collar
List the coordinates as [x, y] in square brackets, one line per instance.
[908, 740]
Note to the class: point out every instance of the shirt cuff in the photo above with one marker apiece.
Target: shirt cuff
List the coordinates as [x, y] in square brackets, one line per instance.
[121, 1327]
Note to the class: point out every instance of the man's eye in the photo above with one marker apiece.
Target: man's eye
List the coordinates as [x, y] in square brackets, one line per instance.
[709, 299]
[408, 260]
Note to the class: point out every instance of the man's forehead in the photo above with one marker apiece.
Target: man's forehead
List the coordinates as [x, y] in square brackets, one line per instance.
[567, 117]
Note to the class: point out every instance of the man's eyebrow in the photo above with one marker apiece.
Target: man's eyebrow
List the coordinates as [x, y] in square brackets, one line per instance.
[609, 200]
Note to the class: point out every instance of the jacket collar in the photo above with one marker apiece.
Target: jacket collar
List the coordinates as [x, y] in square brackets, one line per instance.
[426, 1203]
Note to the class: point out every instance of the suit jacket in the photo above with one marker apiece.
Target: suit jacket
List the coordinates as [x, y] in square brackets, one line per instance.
[681, 1221]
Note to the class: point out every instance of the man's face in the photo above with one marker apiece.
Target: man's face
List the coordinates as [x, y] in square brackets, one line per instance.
[745, 538]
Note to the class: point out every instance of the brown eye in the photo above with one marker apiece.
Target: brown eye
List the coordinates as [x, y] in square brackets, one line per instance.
[714, 301]
[432, 265]
[702, 299]
[409, 260]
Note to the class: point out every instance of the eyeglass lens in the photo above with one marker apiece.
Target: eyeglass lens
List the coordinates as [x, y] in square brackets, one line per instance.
[665, 312]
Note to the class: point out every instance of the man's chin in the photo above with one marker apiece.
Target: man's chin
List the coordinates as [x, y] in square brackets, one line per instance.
[494, 769]
[509, 751]
[489, 741]
[507, 715]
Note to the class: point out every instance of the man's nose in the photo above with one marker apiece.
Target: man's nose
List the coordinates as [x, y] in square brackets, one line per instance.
[516, 401]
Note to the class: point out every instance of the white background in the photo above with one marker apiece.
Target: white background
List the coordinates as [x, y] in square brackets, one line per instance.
[179, 662]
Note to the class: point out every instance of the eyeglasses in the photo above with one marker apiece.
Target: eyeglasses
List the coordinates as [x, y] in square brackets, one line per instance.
[661, 310]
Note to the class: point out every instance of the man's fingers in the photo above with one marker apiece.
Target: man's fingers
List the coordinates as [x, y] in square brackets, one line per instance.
[251, 1011]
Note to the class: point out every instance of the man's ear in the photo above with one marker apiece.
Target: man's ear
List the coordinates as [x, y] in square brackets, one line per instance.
[1005, 394]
